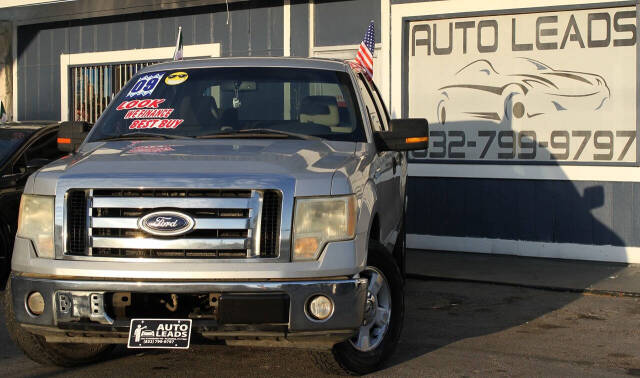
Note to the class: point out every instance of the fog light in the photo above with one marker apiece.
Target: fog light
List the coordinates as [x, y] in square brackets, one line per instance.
[320, 307]
[35, 303]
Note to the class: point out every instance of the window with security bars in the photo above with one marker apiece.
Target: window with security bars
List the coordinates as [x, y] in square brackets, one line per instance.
[93, 87]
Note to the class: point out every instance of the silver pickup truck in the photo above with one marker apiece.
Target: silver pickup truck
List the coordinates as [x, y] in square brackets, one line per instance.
[256, 201]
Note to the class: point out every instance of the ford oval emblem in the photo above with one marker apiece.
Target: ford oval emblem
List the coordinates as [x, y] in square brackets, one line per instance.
[166, 223]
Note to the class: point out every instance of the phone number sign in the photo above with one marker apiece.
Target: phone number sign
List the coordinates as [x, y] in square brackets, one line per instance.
[546, 87]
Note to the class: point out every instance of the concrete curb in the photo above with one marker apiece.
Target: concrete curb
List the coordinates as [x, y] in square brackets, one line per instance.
[537, 273]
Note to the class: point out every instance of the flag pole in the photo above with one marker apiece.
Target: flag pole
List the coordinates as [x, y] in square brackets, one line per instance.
[178, 53]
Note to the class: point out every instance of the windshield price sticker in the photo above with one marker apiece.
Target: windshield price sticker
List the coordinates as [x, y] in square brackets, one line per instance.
[155, 123]
[160, 333]
[141, 104]
[151, 149]
[145, 85]
[148, 113]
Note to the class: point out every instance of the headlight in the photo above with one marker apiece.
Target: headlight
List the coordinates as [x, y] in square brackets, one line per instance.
[318, 221]
[35, 222]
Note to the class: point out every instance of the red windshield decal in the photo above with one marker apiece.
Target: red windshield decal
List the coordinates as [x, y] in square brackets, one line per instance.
[141, 104]
[151, 149]
[155, 123]
[148, 113]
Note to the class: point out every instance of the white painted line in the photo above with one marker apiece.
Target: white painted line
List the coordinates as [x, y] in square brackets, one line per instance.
[385, 57]
[14, 68]
[629, 255]
[311, 27]
[287, 27]
[527, 172]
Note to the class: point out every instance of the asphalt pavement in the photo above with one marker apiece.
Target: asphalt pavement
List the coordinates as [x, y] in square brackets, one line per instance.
[451, 329]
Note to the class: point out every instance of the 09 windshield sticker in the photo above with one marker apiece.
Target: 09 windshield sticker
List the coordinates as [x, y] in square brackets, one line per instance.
[145, 85]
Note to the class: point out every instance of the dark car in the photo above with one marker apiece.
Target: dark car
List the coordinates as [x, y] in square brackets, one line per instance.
[23, 149]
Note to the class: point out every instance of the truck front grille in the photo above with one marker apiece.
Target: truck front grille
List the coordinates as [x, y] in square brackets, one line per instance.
[229, 224]
[270, 224]
[77, 219]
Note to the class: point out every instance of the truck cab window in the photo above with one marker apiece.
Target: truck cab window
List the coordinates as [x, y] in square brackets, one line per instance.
[377, 123]
[381, 106]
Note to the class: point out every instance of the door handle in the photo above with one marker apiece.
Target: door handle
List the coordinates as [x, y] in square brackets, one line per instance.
[377, 173]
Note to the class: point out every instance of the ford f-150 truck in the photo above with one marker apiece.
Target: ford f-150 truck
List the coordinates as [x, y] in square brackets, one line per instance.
[256, 201]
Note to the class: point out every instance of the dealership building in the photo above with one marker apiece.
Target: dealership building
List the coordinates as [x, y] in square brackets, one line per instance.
[532, 104]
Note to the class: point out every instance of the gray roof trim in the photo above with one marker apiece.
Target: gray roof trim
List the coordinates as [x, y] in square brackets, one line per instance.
[312, 63]
[59, 10]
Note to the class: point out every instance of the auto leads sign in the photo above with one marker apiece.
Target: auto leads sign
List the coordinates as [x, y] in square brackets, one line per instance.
[551, 87]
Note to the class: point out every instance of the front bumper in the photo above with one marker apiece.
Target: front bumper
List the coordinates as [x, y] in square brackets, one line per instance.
[75, 307]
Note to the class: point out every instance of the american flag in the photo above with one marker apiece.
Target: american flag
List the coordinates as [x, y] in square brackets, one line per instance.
[365, 53]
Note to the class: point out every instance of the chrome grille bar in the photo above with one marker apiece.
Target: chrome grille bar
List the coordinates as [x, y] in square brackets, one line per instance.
[152, 243]
[176, 202]
[201, 223]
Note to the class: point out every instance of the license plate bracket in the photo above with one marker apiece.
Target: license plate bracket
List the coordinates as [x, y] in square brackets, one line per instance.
[159, 333]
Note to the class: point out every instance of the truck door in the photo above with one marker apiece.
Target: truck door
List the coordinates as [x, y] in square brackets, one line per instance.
[384, 167]
[398, 159]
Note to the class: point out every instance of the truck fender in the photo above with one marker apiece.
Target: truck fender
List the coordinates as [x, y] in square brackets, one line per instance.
[368, 211]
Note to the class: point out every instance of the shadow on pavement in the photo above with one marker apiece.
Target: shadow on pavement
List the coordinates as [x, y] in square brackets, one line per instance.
[440, 313]
[525, 209]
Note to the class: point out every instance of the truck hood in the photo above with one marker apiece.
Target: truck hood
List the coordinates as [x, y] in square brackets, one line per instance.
[308, 164]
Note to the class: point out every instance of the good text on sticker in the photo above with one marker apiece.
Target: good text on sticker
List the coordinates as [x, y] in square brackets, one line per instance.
[141, 104]
[155, 123]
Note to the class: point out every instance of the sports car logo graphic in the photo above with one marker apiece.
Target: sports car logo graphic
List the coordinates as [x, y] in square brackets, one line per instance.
[530, 89]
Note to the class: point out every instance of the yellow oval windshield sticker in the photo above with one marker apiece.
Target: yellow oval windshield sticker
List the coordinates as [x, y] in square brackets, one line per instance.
[176, 78]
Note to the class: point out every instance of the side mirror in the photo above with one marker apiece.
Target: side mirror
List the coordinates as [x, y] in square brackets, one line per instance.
[35, 164]
[406, 135]
[71, 135]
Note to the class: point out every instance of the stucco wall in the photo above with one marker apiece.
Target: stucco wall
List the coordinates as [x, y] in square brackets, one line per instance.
[6, 75]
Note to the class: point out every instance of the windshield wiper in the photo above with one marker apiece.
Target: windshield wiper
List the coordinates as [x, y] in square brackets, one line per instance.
[138, 135]
[257, 133]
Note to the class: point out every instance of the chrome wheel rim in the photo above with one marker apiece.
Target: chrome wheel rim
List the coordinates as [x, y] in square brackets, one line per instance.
[377, 312]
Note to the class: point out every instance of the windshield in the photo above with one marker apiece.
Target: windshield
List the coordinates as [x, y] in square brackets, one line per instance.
[10, 140]
[234, 102]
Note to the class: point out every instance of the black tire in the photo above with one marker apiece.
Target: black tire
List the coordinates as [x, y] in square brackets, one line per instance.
[42, 352]
[344, 358]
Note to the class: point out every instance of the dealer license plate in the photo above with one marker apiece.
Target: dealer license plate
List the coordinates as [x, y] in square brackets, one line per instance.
[160, 333]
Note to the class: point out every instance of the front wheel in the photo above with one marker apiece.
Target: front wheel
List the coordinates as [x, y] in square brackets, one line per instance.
[378, 336]
[43, 352]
